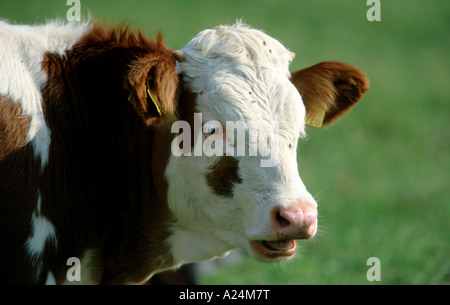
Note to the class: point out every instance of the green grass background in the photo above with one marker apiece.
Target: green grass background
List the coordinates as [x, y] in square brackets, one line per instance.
[381, 174]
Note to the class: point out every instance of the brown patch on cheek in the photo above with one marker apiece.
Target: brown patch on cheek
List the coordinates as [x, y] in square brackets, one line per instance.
[223, 176]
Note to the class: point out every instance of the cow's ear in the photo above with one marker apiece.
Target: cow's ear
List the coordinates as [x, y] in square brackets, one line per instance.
[153, 84]
[329, 90]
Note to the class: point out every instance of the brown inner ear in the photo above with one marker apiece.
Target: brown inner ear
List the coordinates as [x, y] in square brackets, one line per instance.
[330, 87]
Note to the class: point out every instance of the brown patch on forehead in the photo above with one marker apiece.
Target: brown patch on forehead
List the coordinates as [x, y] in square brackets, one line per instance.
[13, 126]
[223, 176]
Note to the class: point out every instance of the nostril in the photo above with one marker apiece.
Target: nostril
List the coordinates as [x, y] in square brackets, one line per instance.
[283, 222]
[294, 222]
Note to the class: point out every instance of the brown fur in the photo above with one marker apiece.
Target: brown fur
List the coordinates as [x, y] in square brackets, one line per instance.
[13, 127]
[187, 108]
[103, 187]
[223, 176]
[19, 173]
[333, 87]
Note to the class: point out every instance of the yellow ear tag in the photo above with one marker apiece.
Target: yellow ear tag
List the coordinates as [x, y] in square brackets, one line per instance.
[130, 99]
[316, 121]
[151, 97]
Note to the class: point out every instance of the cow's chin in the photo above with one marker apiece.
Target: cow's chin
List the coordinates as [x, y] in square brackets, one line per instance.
[269, 251]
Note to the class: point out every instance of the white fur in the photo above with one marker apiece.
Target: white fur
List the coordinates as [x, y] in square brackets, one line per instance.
[50, 279]
[22, 49]
[239, 74]
[42, 231]
[196, 246]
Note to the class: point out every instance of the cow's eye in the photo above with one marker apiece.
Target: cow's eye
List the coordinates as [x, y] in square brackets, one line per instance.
[212, 128]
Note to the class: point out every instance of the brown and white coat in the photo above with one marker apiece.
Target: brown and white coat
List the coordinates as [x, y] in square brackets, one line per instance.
[87, 167]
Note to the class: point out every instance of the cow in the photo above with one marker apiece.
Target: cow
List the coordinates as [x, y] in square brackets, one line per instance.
[92, 187]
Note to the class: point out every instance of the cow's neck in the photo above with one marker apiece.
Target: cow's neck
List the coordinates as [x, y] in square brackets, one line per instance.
[109, 154]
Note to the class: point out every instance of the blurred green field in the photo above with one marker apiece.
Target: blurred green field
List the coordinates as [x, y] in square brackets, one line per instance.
[381, 174]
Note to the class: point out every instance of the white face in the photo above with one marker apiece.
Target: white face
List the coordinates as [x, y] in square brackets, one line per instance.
[253, 201]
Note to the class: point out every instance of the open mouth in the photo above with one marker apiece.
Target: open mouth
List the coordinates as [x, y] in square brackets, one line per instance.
[274, 249]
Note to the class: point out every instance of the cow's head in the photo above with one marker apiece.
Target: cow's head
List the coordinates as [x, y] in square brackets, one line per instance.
[249, 194]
